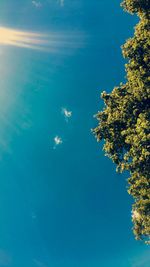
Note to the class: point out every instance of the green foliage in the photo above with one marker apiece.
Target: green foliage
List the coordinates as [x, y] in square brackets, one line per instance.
[124, 123]
[135, 6]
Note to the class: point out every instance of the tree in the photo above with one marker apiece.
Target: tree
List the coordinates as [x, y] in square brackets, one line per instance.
[124, 123]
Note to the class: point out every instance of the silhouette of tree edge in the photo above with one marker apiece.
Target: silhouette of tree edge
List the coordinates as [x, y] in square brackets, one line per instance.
[124, 123]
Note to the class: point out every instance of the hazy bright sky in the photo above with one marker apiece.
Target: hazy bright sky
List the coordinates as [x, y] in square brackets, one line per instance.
[61, 202]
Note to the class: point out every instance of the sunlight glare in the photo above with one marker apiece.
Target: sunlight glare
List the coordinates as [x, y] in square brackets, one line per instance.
[20, 38]
[53, 42]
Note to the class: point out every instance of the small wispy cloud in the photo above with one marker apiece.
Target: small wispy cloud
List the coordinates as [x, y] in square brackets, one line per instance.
[66, 113]
[37, 4]
[39, 263]
[62, 2]
[5, 258]
[141, 260]
[57, 141]
[33, 216]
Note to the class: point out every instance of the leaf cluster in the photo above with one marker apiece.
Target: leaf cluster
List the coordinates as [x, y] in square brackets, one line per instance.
[136, 6]
[124, 123]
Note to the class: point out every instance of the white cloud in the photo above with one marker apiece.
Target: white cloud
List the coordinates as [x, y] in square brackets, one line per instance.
[67, 114]
[36, 4]
[57, 141]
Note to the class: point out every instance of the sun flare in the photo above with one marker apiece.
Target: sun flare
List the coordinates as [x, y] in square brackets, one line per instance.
[53, 42]
[21, 38]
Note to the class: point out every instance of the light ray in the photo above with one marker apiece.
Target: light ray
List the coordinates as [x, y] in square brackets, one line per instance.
[37, 4]
[21, 38]
[52, 42]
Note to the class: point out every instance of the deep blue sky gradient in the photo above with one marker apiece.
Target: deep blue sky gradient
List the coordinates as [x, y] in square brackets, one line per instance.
[65, 207]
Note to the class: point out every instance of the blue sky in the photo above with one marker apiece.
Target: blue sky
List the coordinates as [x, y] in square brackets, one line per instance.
[62, 207]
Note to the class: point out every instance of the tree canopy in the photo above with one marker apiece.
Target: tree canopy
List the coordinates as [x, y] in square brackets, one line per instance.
[124, 123]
